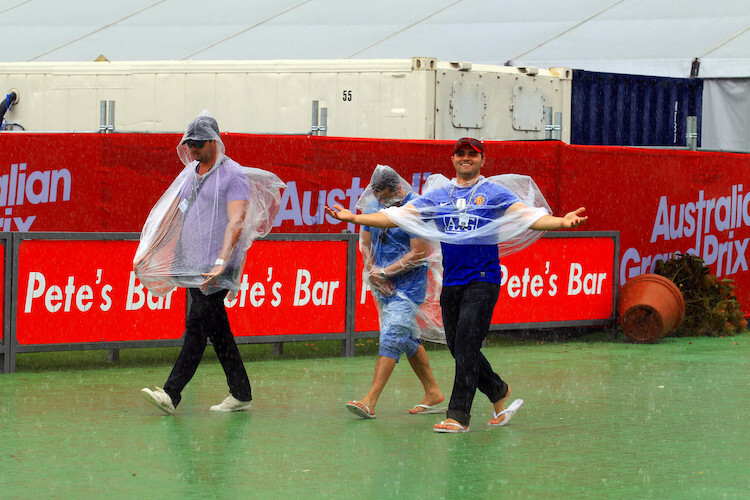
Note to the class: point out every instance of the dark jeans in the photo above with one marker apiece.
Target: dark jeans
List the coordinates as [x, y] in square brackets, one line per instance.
[207, 318]
[467, 312]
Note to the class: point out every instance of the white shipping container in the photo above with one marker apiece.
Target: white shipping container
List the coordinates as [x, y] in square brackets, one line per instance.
[418, 98]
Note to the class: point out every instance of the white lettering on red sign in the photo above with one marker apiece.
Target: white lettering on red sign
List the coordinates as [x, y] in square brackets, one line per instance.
[589, 284]
[697, 220]
[526, 285]
[63, 298]
[255, 292]
[299, 210]
[321, 293]
[19, 187]
[138, 296]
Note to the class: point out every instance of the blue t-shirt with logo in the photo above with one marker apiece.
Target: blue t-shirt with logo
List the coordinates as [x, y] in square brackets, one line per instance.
[484, 201]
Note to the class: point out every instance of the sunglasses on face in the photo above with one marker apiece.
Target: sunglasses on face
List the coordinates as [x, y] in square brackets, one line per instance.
[195, 144]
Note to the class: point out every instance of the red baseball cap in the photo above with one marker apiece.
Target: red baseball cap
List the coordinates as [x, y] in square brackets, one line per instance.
[471, 142]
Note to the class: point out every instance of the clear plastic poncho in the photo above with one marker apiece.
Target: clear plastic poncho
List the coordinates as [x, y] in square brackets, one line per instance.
[414, 279]
[475, 215]
[185, 231]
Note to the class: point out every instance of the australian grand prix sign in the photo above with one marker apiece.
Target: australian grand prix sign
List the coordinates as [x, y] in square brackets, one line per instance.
[715, 229]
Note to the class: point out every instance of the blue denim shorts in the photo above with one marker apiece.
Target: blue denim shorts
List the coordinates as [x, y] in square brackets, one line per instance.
[398, 328]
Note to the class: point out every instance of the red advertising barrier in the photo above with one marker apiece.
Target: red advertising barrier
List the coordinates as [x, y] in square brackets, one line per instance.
[291, 288]
[664, 202]
[79, 291]
[85, 291]
[564, 277]
[109, 182]
[661, 201]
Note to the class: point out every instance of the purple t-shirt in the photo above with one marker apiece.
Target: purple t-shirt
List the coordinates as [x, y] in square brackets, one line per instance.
[203, 203]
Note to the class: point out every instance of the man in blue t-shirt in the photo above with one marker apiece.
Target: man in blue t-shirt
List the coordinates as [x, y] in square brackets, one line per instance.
[471, 278]
[396, 266]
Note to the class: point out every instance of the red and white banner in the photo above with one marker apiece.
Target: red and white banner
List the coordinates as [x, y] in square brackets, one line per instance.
[291, 288]
[661, 201]
[558, 279]
[84, 291]
[664, 202]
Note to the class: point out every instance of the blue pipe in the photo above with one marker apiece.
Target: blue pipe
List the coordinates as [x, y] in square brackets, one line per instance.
[5, 104]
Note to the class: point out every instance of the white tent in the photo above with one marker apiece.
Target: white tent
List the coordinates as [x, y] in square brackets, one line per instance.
[626, 36]
[644, 37]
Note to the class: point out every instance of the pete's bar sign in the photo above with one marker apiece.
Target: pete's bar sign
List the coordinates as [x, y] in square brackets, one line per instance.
[83, 291]
[86, 291]
[561, 277]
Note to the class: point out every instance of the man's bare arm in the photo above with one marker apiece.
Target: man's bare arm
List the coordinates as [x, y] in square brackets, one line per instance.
[376, 219]
[236, 211]
[552, 223]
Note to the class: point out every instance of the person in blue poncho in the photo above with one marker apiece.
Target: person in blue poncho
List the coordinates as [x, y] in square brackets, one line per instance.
[396, 268]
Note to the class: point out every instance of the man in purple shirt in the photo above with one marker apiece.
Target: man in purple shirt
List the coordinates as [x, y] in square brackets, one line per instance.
[210, 222]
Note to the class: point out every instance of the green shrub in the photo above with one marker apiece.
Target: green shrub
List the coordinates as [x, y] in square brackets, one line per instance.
[711, 307]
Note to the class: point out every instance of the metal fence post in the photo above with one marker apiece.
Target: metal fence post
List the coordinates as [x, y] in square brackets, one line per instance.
[351, 292]
[10, 253]
[5, 344]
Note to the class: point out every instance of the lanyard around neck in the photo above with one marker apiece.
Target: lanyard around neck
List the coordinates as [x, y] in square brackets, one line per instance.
[471, 195]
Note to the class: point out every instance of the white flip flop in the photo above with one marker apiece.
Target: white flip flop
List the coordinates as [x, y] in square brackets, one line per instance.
[428, 409]
[508, 412]
[453, 428]
[360, 409]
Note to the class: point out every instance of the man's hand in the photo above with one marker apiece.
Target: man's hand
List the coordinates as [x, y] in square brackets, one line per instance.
[382, 286]
[574, 219]
[211, 276]
[340, 213]
[553, 223]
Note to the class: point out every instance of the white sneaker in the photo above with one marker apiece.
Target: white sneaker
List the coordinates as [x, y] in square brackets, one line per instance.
[158, 398]
[231, 404]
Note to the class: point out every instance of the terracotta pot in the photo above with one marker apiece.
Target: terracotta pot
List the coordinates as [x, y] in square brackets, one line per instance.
[650, 307]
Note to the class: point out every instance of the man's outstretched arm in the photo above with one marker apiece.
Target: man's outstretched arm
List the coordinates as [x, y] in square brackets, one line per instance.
[551, 222]
[376, 219]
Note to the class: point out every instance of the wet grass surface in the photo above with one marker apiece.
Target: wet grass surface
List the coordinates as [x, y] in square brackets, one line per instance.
[601, 419]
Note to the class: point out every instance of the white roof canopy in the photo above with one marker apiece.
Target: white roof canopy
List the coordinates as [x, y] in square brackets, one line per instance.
[625, 36]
